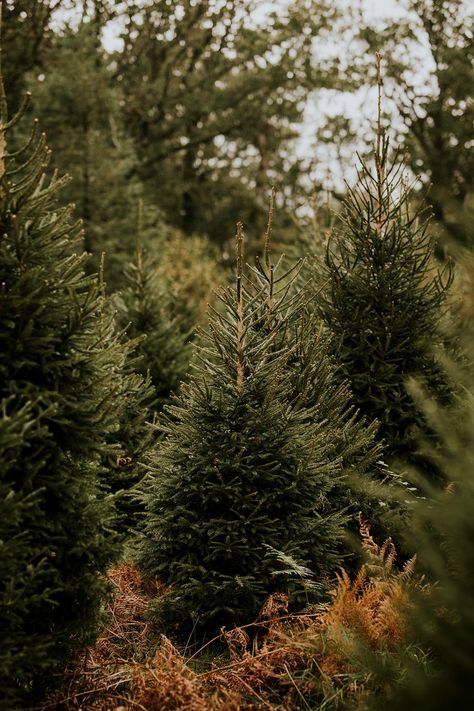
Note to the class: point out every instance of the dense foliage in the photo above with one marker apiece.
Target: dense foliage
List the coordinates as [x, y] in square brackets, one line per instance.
[235, 459]
[61, 397]
[240, 490]
[145, 309]
[385, 300]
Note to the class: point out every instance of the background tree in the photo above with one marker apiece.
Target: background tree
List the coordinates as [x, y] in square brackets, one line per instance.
[188, 269]
[212, 100]
[79, 108]
[439, 113]
[124, 464]
[428, 50]
[164, 350]
[385, 300]
[26, 38]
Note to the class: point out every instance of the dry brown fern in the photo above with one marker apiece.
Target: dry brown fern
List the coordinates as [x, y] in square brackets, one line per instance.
[372, 608]
[293, 657]
[166, 683]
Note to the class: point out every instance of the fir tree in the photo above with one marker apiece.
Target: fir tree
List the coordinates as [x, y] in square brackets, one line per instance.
[60, 391]
[385, 299]
[313, 369]
[438, 112]
[239, 490]
[163, 348]
[21, 436]
[188, 270]
[123, 464]
[441, 617]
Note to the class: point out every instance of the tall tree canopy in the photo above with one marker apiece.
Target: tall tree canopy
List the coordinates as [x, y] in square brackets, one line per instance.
[212, 97]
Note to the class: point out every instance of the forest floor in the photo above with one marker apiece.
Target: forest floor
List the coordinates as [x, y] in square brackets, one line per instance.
[313, 660]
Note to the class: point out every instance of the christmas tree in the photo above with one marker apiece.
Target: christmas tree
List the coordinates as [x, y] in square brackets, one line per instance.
[238, 493]
[163, 348]
[316, 385]
[60, 392]
[440, 624]
[123, 465]
[287, 315]
[385, 299]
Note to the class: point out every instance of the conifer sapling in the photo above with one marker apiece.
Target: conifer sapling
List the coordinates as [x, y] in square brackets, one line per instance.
[60, 385]
[241, 483]
[385, 299]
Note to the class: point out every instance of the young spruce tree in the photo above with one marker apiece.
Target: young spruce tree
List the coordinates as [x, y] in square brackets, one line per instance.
[238, 494]
[385, 299]
[163, 350]
[441, 616]
[60, 384]
[123, 465]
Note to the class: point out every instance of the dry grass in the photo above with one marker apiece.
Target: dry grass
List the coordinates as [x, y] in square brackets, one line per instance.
[293, 661]
[105, 669]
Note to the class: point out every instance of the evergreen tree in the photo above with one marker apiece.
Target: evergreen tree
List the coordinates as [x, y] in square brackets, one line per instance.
[60, 391]
[441, 617]
[239, 489]
[78, 106]
[145, 310]
[313, 369]
[384, 302]
[27, 35]
[21, 436]
[436, 109]
[188, 270]
[124, 466]
[316, 385]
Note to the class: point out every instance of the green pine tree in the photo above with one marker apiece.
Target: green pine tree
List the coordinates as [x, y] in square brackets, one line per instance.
[163, 348]
[313, 369]
[124, 467]
[21, 436]
[78, 106]
[61, 390]
[238, 492]
[385, 300]
[441, 618]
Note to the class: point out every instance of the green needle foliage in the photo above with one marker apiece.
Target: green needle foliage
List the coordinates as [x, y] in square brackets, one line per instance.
[21, 436]
[124, 468]
[316, 385]
[163, 349]
[385, 300]
[60, 397]
[240, 486]
[442, 619]
[313, 369]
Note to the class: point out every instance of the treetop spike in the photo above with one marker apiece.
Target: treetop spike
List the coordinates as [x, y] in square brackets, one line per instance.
[380, 145]
[268, 232]
[239, 248]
